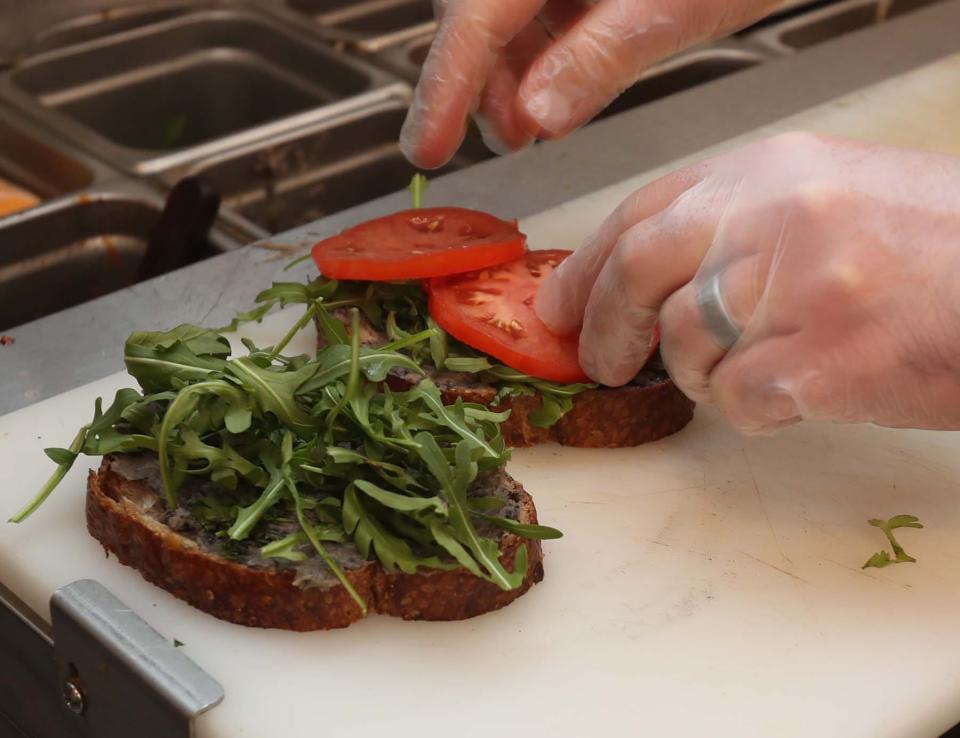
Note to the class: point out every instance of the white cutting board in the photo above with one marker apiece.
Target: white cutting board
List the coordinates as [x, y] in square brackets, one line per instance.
[707, 584]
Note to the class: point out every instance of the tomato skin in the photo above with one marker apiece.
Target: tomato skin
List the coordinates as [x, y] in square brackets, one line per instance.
[492, 311]
[418, 244]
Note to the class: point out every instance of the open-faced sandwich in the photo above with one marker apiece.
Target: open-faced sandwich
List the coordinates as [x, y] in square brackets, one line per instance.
[468, 279]
[301, 492]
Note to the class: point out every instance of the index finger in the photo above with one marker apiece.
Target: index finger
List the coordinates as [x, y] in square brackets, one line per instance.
[471, 36]
[562, 299]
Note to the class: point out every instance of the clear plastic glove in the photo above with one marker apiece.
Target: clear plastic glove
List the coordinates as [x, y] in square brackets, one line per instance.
[540, 68]
[839, 261]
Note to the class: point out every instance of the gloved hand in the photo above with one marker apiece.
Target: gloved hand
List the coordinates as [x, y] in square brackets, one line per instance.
[839, 261]
[541, 68]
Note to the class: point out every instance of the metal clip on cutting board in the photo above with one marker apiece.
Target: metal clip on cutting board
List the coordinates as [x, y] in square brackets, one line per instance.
[100, 670]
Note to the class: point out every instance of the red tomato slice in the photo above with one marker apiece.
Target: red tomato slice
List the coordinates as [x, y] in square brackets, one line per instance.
[492, 311]
[414, 244]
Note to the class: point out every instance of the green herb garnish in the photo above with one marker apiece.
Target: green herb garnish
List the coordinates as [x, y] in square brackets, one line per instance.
[883, 558]
[417, 187]
[398, 311]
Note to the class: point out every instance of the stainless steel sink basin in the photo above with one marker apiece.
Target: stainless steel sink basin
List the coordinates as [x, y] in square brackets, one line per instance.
[79, 29]
[319, 170]
[833, 21]
[162, 93]
[369, 25]
[74, 249]
[684, 72]
[406, 59]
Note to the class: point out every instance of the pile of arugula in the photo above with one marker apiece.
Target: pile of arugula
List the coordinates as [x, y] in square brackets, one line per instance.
[318, 439]
[398, 311]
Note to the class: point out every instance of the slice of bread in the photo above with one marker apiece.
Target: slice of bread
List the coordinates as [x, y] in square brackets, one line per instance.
[126, 514]
[648, 409]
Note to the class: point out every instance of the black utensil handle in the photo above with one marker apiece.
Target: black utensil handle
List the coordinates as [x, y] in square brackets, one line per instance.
[180, 235]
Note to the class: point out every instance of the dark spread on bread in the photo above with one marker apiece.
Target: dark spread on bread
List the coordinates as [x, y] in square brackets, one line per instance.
[147, 496]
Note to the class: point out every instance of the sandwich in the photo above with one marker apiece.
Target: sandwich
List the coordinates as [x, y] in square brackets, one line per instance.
[466, 280]
[302, 492]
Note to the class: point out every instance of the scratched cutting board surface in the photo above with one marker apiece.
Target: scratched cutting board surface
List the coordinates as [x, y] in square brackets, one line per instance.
[707, 584]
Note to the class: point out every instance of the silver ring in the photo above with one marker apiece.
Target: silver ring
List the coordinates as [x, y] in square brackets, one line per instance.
[715, 315]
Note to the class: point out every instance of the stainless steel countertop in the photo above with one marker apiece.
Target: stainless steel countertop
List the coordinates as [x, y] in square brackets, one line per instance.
[85, 343]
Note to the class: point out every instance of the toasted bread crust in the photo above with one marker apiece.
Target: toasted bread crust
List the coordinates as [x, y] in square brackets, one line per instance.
[268, 598]
[600, 418]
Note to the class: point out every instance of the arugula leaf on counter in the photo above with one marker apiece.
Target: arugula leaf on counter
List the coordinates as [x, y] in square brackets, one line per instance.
[882, 558]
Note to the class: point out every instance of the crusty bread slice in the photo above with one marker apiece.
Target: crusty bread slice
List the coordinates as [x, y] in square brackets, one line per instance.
[646, 410]
[605, 417]
[125, 515]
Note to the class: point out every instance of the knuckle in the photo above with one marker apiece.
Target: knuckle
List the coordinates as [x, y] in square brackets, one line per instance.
[629, 261]
[816, 199]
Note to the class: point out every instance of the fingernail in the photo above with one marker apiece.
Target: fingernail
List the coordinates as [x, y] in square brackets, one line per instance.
[491, 139]
[781, 406]
[551, 111]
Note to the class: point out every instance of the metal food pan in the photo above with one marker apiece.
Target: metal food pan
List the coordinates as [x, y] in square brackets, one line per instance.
[41, 164]
[318, 170]
[73, 249]
[832, 21]
[369, 26]
[406, 59]
[683, 72]
[153, 96]
[93, 25]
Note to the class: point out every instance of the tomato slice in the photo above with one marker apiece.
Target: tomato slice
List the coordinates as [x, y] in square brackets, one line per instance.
[415, 244]
[492, 311]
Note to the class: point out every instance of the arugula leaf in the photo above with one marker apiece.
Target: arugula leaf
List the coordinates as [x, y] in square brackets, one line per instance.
[288, 548]
[299, 260]
[525, 530]
[89, 440]
[275, 391]
[61, 456]
[468, 364]
[282, 294]
[61, 471]
[882, 558]
[552, 408]
[451, 417]
[249, 516]
[334, 363]
[334, 332]
[461, 536]
[369, 535]
[186, 353]
[403, 503]
[221, 458]
[438, 344]
[183, 406]
[308, 529]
